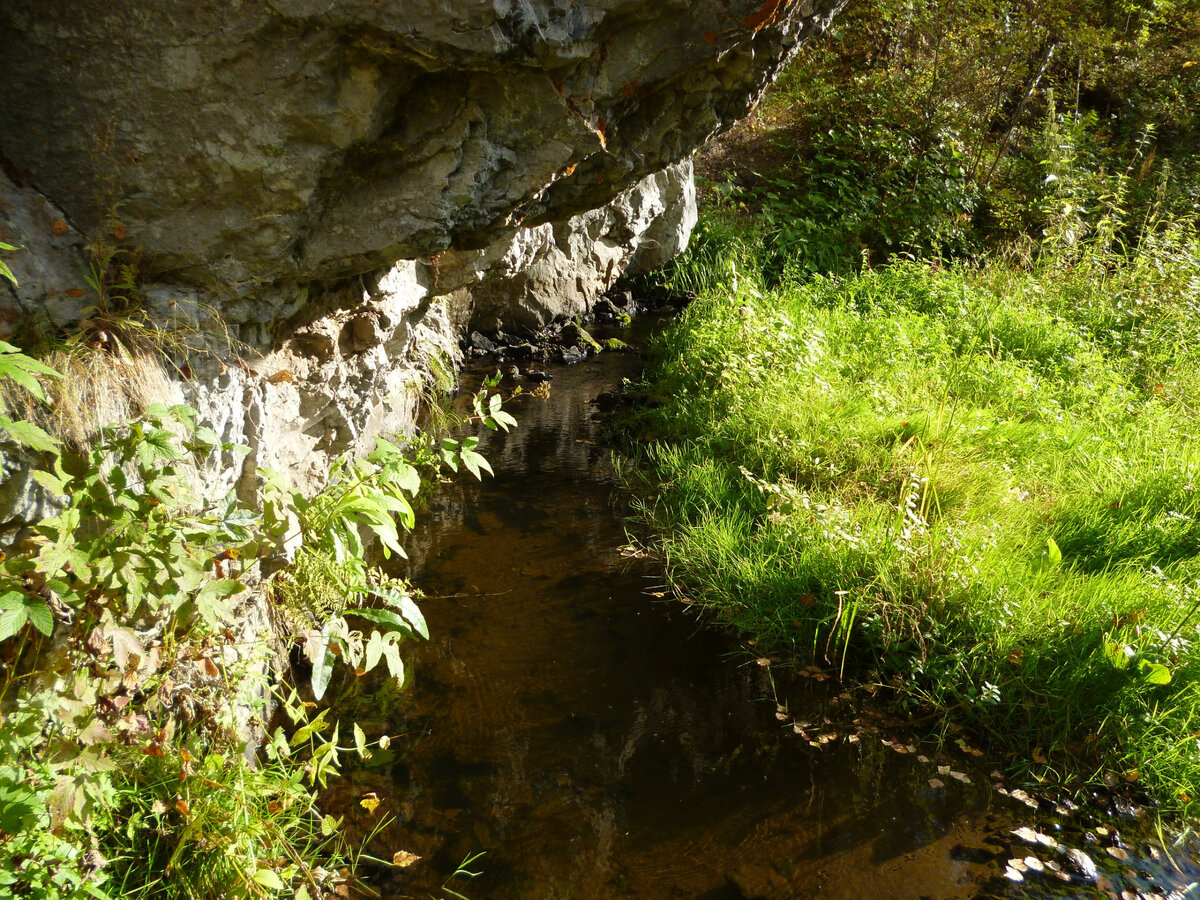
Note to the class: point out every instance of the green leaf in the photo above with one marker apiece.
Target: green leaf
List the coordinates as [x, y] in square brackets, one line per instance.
[24, 370]
[53, 483]
[407, 607]
[28, 435]
[19, 807]
[306, 731]
[12, 620]
[385, 617]
[1117, 654]
[209, 601]
[504, 420]
[269, 879]
[475, 462]
[322, 670]
[374, 651]
[391, 652]
[40, 617]
[1048, 559]
[1154, 673]
[360, 742]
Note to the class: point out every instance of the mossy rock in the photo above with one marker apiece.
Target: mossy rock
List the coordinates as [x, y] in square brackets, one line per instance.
[616, 345]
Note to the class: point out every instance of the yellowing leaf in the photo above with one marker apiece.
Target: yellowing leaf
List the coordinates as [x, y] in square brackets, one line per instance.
[269, 879]
[369, 802]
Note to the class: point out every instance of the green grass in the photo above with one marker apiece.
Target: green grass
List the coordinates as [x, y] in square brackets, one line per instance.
[978, 485]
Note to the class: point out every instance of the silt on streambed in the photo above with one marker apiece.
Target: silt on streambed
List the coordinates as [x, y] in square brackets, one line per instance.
[598, 743]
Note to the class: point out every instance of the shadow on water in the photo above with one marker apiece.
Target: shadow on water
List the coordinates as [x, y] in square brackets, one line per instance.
[599, 744]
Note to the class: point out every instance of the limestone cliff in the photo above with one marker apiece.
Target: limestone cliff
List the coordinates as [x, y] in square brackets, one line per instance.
[344, 181]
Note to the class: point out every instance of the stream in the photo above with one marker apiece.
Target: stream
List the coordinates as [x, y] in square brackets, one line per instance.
[595, 742]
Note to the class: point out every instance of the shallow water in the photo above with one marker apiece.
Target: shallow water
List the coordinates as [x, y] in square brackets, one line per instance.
[597, 743]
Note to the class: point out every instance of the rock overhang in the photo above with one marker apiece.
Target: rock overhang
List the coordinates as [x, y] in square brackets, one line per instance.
[247, 144]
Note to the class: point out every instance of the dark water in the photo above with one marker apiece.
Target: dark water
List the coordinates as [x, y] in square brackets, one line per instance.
[597, 743]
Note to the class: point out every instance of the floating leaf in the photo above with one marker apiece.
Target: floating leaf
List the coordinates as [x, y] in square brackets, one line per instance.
[404, 859]
[369, 802]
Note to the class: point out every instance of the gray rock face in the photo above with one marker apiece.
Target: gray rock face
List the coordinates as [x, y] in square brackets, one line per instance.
[253, 142]
[534, 275]
[349, 185]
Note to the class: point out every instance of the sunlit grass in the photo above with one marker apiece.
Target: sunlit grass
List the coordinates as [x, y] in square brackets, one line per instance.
[978, 485]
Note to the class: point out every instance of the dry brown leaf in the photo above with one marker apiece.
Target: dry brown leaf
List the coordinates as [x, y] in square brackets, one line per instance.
[404, 859]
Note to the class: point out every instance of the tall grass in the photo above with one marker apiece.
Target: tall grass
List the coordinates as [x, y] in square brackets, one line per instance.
[977, 484]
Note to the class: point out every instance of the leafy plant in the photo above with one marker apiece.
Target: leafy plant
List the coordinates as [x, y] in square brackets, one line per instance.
[124, 754]
[371, 494]
[975, 484]
[5, 271]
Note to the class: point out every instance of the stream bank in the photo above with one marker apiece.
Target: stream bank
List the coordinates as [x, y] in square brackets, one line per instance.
[595, 743]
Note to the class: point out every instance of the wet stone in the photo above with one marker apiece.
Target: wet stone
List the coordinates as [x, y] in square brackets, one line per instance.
[524, 350]
[1081, 865]
[482, 342]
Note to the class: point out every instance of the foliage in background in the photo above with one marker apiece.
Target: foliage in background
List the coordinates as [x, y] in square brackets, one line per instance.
[924, 127]
[128, 668]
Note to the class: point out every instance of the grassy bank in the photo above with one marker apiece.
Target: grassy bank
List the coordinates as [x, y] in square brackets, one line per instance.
[977, 485]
